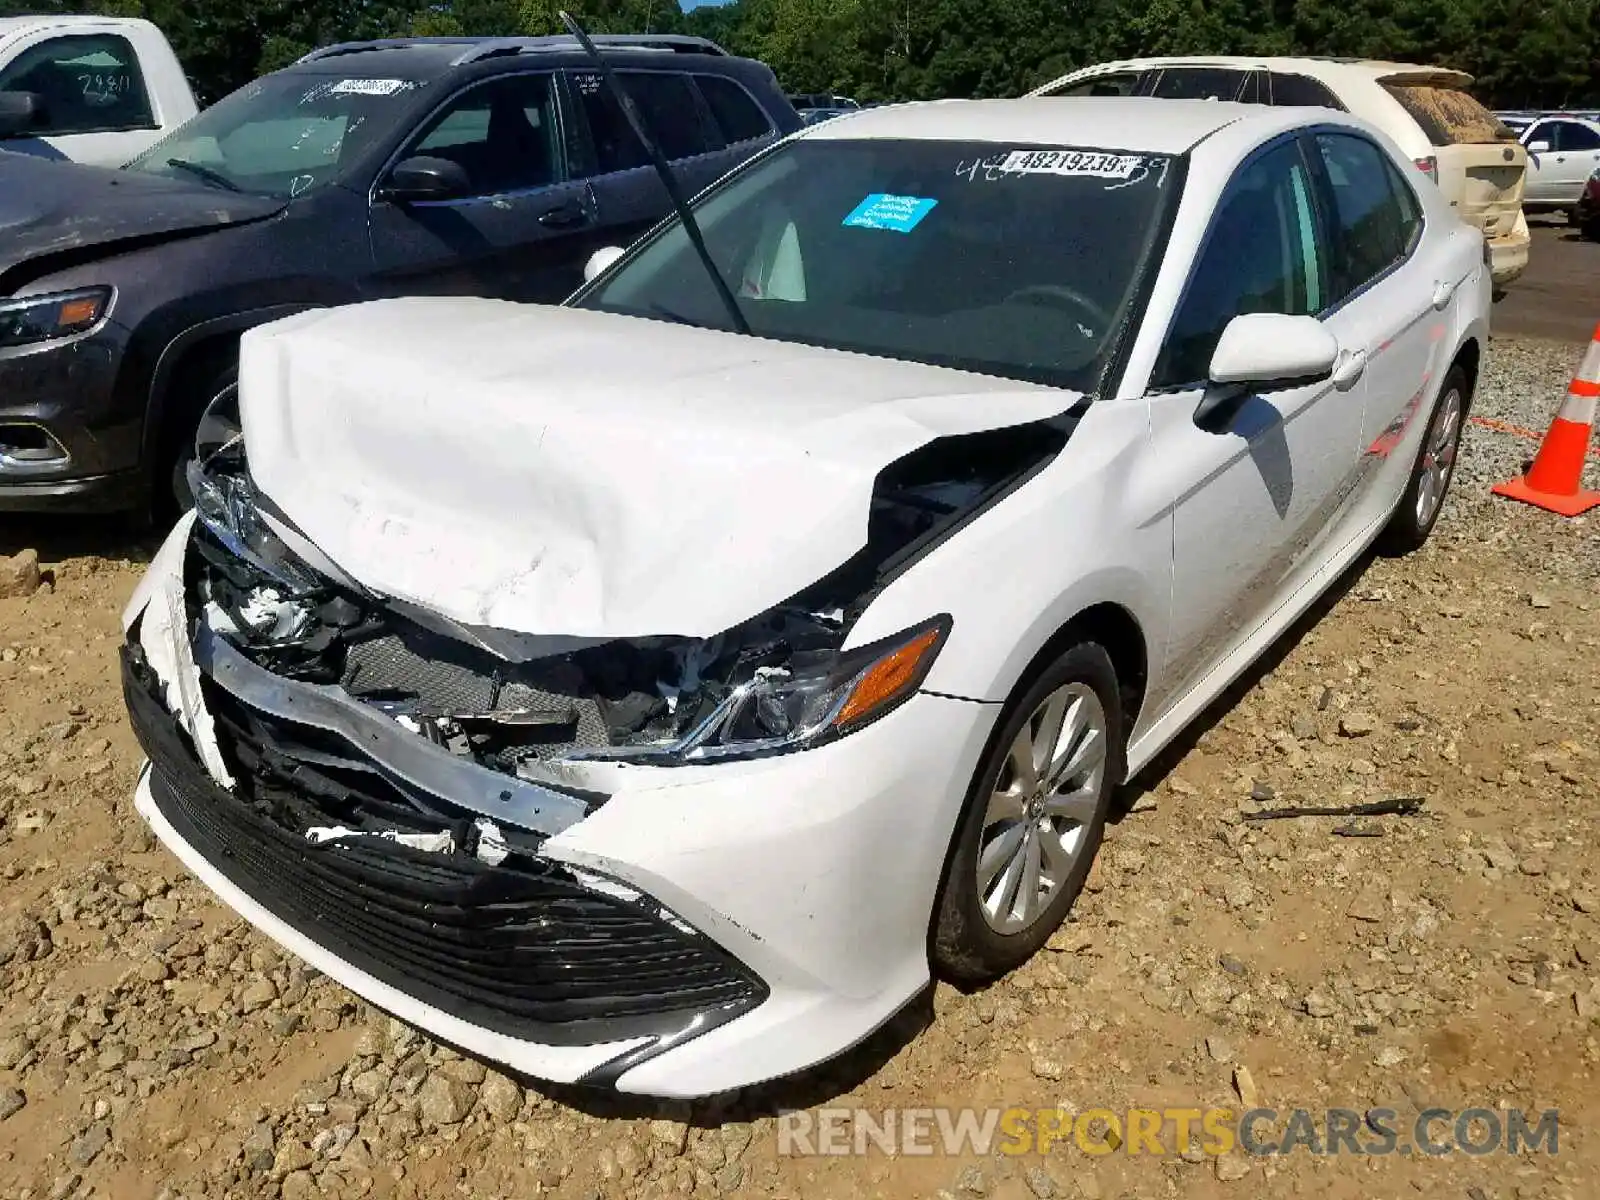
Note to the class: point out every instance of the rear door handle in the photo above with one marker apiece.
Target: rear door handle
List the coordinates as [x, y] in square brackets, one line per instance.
[564, 217]
[1442, 292]
[1350, 369]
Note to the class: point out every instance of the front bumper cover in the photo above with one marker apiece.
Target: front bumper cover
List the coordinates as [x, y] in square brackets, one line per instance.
[812, 875]
[525, 951]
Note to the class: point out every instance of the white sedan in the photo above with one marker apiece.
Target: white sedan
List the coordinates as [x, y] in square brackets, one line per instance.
[1563, 151]
[654, 691]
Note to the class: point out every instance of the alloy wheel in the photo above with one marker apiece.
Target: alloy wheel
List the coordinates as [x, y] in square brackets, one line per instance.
[1042, 802]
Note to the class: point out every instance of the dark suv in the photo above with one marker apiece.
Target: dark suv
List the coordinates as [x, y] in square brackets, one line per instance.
[489, 167]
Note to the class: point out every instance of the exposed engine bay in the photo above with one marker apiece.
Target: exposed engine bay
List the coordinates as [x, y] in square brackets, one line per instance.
[524, 704]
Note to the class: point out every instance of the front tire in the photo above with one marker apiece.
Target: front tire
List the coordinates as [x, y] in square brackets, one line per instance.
[1431, 473]
[173, 497]
[1035, 815]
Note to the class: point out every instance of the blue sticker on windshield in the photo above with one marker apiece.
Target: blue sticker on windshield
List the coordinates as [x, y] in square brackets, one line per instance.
[900, 214]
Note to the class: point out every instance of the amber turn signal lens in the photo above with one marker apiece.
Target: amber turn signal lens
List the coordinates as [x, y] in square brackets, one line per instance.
[887, 679]
[75, 313]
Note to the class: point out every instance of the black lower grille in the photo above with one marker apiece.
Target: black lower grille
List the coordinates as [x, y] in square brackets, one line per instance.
[521, 949]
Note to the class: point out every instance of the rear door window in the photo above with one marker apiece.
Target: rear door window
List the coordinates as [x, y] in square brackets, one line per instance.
[1301, 91]
[1200, 83]
[1373, 227]
[88, 83]
[666, 103]
[1256, 89]
[738, 116]
[1449, 116]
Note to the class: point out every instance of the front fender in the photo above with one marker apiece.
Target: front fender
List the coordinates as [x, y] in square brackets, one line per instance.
[171, 356]
[1094, 527]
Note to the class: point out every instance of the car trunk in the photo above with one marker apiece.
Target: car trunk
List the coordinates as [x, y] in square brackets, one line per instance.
[1478, 162]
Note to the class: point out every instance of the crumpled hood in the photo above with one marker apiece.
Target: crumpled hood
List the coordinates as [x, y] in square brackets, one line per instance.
[48, 206]
[559, 471]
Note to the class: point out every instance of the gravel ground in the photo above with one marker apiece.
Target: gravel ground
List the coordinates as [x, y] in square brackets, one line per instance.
[152, 1045]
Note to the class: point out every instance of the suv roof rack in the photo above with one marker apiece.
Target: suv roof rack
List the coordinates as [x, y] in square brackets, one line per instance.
[477, 49]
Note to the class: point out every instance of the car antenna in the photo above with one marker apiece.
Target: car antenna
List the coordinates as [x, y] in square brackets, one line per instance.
[690, 225]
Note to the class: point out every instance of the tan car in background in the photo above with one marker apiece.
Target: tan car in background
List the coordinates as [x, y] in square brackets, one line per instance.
[1469, 152]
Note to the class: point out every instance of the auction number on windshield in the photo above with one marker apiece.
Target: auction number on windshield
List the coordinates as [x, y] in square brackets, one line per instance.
[106, 84]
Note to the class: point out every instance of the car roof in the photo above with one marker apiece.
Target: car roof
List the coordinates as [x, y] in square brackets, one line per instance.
[1317, 66]
[9, 25]
[428, 58]
[1109, 122]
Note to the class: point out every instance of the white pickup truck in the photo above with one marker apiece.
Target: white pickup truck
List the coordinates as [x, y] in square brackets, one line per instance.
[96, 90]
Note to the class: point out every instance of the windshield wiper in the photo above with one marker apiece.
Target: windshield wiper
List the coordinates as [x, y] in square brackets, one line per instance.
[215, 178]
[690, 225]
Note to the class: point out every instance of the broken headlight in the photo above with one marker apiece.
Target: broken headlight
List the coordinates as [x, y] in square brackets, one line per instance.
[225, 498]
[799, 706]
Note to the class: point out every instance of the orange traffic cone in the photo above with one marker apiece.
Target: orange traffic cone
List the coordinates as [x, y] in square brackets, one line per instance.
[1555, 481]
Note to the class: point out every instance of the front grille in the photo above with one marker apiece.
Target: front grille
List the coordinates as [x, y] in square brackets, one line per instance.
[521, 948]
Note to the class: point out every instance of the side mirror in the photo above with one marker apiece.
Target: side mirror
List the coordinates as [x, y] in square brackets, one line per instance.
[1539, 147]
[600, 262]
[422, 178]
[20, 113]
[1268, 351]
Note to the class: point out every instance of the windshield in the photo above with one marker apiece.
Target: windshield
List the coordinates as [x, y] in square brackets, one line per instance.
[280, 136]
[1018, 261]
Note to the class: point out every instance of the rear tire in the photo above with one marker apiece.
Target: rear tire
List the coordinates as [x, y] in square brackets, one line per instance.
[1432, 472]
[1027, 838]
[1590, 232]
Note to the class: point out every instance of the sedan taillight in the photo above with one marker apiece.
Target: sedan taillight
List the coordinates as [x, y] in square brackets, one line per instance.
[1428, 166]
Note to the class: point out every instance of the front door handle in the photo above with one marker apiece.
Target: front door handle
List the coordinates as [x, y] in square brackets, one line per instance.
[564, 217]
[1351, 367]
[1442, 292]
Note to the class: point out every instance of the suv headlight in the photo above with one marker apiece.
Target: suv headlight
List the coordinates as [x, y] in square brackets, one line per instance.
[802, 705]
[32, 319]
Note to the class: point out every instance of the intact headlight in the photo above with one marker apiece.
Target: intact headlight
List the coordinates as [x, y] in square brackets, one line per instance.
[32, 319]
[803, 704]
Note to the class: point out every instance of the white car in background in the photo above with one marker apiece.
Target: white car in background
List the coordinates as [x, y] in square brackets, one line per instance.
[1428, 112]
[1563, 151]
[653, 691]
[93, 89]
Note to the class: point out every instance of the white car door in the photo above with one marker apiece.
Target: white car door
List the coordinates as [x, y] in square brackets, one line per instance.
[1257, 481]
[1538, 140]
[1389, 289]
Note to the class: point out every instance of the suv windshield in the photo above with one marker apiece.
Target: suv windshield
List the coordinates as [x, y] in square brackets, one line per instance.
[1018, 261]
[282, 135]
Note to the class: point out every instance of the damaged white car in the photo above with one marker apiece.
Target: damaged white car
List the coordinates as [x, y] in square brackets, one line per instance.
[651, 692]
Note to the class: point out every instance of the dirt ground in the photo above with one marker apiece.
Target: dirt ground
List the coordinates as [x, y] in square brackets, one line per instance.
[151, 1045]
